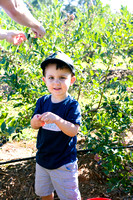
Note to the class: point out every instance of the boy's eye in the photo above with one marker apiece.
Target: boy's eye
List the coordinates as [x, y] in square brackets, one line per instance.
[51, 78]
[62, 77]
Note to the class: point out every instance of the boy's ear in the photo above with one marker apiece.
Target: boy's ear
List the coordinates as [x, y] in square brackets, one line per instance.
[43, 78]
[73, 79]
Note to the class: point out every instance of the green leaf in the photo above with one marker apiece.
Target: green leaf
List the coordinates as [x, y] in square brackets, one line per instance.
[126, 99]
[11, 130]
[3, 126]
[3, 115]
[3, 60]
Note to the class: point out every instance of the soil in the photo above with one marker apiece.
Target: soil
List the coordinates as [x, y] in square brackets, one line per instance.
[17, 179]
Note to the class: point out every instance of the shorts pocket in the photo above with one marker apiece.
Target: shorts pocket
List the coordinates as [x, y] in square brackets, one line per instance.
[71, 166]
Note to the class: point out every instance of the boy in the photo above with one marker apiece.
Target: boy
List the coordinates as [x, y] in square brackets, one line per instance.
[57, 116]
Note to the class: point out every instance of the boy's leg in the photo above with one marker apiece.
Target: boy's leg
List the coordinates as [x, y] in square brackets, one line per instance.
[43, 185]
[65, 181]
[49, 197]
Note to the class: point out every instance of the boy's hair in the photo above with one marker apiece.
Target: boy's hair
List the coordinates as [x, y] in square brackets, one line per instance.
[59, 65]
[61, 60]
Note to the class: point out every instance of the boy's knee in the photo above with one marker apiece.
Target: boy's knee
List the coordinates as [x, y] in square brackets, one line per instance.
[49, 197]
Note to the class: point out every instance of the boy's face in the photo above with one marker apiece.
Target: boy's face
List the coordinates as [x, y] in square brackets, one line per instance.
[58, 81]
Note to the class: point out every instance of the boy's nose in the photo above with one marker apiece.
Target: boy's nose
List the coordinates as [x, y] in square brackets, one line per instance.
[57, 81]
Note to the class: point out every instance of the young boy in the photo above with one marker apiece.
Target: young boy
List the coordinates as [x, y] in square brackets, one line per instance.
[57, 116]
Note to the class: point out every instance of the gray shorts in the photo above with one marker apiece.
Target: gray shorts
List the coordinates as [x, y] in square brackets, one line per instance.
[64, 180]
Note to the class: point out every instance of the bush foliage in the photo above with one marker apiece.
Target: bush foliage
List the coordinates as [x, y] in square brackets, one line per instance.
[96, 39]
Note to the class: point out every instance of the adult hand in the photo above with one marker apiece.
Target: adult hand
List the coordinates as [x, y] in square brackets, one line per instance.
[15, 37]
[39, 31]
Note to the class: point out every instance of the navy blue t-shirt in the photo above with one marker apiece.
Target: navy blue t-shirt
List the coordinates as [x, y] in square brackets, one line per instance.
[55, 148]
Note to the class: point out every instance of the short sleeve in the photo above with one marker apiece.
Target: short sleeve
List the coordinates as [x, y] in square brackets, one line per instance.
[74, 113]
[38, 106]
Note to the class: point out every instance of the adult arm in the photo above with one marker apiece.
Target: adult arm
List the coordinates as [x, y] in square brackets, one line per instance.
[17, 10]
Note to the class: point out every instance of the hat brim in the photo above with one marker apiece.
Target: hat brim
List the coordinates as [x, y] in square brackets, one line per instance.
[56, 60]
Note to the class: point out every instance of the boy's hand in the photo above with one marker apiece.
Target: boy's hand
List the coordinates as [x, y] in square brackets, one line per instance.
[36, 123]
[48, 117]
[66, 127]
[39, 121]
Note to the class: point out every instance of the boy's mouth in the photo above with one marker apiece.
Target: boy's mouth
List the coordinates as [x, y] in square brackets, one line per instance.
[57, 89]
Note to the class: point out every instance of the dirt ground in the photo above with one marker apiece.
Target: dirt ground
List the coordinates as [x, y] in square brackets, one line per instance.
[17, 179]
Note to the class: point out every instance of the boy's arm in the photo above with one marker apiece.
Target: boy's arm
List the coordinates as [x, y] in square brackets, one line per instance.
[66, 127]
[35, 122]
